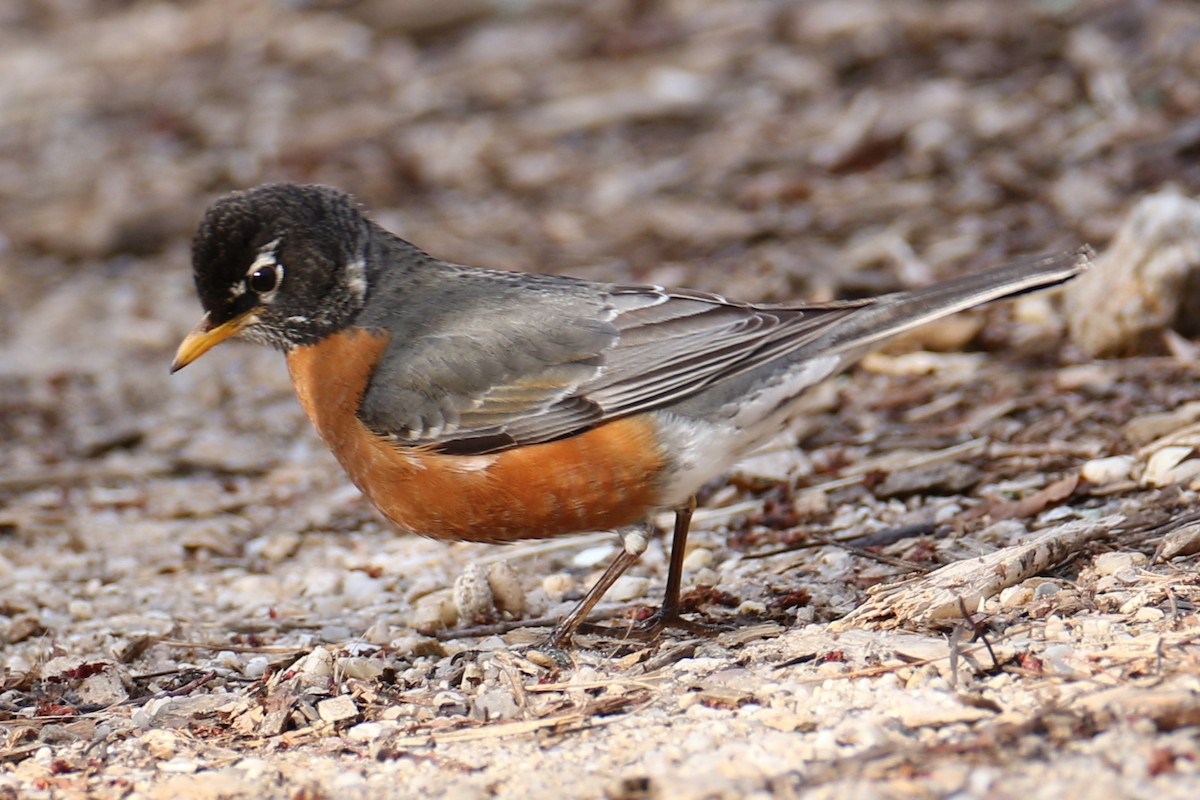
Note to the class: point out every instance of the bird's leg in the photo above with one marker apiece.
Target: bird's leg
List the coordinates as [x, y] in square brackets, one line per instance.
[668, 614]
[634, 544]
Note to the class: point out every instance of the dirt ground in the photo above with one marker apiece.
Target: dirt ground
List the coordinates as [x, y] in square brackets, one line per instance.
[195, 603]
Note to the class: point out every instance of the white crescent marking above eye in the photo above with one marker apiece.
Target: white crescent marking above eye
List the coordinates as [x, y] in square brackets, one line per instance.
[266, 258]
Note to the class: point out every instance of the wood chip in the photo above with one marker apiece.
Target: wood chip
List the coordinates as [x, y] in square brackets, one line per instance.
[337, 709]
[941, 593]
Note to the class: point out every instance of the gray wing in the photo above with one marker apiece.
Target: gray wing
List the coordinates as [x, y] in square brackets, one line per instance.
[518, 365]
[488, 378]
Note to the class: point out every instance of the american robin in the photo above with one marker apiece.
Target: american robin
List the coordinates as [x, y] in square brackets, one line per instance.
[489, 406]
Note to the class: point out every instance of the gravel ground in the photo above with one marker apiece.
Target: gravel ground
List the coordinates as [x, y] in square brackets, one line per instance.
[970, 571]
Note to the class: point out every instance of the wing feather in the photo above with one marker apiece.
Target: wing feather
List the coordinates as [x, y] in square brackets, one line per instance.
[595, 352]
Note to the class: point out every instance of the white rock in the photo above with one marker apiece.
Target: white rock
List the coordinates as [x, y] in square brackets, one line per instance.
[1149, 614]
[366, 669]
[1056, 629]
[359, 588]
[1102, 471]
[256, 667]
[337, 709]
[557, 585]
[698, 558]
[228, 659]
[591, 556]
[434, 612]
[379, 633]
[1015, 596]
[79, 609]
[473, 598]
[497, 704]
[1137, 287]
[1162, 468]
[1117, 563]
[144, 717]
[161, 744]
[318, 663]
[751, 608]
[366, 732]
[628, 587]
[507, 592]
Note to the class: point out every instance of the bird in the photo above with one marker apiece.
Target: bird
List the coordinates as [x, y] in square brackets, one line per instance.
[483, 405]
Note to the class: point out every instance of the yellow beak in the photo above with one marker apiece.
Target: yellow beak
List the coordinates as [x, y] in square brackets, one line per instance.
[204, 337]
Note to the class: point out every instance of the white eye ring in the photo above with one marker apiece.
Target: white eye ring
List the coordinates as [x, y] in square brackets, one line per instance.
[265, 274]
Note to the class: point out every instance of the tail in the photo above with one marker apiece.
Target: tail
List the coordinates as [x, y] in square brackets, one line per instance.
[893, 314]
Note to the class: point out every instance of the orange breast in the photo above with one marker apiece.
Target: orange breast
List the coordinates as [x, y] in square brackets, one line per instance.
[605, 478]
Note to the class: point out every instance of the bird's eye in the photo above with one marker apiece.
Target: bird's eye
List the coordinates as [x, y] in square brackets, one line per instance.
[264, 280]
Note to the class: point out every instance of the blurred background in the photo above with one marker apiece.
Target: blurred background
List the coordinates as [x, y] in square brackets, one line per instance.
[760, 148]
[153, 525]
[798, 143]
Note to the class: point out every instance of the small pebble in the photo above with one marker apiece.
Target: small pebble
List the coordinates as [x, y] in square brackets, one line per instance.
[337, 709]
[628, 587]
[366, 732]
[412, 645]
[947, 513]
[161, 744]
[1056, 629]
[379, 633]
[256, 667]
[1097, 627]
[359, 588]
[1149, 614]
[1046, 589]
[1103, 471]
[698, 558]
[434, 612]
[318, 663]
[275, 547]
[473, 598]
[229, 660]
[1015, 596]
[1164, 467]
[507, 593]
[591, 556]
[1117, 563]
[336, 633]
[367, 669]
[1056, 656]
[811, 503]
[80, 610]
[556, 586]
[496, 704]
[751, 608]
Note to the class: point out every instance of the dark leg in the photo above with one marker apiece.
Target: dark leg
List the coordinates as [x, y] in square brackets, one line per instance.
[667, 616]
[563, 630]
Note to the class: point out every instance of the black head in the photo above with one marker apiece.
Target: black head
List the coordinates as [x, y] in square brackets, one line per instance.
[281, 264]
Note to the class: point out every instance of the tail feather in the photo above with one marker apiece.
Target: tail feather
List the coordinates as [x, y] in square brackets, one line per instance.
[893, 314]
